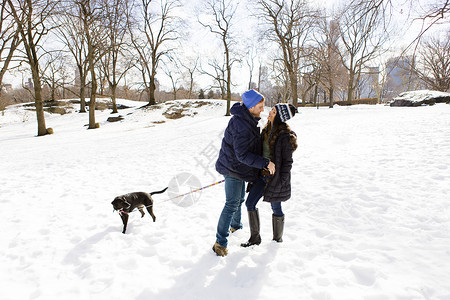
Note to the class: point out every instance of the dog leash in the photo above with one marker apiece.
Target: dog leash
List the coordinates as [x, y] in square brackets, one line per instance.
[179, 196]
[194, 191]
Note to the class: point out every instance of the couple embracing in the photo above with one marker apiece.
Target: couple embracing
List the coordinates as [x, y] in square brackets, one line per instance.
[264, 160]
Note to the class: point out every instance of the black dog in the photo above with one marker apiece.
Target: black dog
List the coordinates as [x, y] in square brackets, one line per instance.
[127, 203]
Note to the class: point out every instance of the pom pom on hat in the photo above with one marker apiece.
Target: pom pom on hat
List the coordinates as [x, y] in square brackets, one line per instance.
[285, 111]
[250, 98]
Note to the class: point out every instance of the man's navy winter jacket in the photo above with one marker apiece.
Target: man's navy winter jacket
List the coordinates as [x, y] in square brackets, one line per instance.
[240, 154]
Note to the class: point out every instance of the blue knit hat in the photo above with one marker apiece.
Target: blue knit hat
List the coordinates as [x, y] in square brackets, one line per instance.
[251, 98]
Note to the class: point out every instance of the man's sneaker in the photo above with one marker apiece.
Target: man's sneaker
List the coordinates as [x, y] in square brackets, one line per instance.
[232, 230]
[219, 250]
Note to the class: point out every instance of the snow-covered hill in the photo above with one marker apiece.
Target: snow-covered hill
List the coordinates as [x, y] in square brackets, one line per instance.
[369, 217]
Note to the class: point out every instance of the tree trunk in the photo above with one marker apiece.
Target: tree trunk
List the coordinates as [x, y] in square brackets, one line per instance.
[93, 94]
[151, 91]
[294, 91]
[228, 97]
[32, 59]
[42, 130]
[174, 88]
[152, 87]
[316, 88]
[53, 93]
[293, 84]
[228, 80]
[82, 94]
[350, 89]
[331, 98]
[15, 42]
[113, 88]
[191, 85]
[92, 104]
[303, 97]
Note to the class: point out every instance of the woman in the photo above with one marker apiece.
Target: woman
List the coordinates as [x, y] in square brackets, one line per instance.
[278, 142]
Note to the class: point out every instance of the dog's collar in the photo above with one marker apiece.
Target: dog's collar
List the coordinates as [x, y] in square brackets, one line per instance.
[122, 212]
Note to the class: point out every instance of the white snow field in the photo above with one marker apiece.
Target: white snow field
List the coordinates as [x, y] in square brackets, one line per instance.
[369, 217]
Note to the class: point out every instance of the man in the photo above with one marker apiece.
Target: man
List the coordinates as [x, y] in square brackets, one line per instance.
[239, 161]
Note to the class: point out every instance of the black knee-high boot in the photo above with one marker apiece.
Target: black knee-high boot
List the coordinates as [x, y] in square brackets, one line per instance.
[277, 226]
[255, 238]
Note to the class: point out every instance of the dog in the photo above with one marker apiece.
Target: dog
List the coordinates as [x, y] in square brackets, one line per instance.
[127, 203]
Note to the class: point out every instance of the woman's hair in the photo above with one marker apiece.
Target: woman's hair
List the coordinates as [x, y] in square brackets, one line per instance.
[271, 126]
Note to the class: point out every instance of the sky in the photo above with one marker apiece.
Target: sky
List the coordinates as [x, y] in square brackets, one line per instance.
[205, 44]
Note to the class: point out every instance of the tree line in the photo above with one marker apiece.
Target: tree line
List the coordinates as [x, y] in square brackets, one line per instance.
[298, 49]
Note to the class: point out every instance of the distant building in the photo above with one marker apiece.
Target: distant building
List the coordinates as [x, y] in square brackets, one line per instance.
[368, 85]
[400, 77]
[29, 84]
[265, 86]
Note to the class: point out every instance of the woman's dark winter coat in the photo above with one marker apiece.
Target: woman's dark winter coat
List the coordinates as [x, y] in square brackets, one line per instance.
[240, 154]
[282, 144]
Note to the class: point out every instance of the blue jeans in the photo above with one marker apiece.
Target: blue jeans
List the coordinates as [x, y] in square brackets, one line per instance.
[276, 209]
[231, 213]
[256, 193]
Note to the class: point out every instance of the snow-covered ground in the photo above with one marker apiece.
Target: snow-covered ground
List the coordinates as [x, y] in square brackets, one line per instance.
[369, 217]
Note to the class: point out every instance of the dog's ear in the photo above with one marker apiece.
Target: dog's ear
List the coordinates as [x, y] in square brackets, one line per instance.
[123, 202]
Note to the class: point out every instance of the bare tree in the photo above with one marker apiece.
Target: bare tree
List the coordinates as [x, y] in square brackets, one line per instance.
[252, 53]
[217, 72]
[53, 72]
[327, 56]
[433, 66]
[290, 25]
[153, 40]
[91, 14]
[430, 14]
[171, 69]
[362, 30]
[191, 65]
[281, 78]
[223, 12]
[311, 76]
[71, 33]
[436, 12]
[117, 60]
[31, 18]
[9, 40]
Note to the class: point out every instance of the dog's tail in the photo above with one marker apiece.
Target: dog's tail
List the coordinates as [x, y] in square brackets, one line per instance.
[159, 192]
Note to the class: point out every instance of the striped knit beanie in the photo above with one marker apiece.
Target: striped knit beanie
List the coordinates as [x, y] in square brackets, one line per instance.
[285, 111]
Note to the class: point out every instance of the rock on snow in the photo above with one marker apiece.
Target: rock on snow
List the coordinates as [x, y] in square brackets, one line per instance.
[422, 97]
